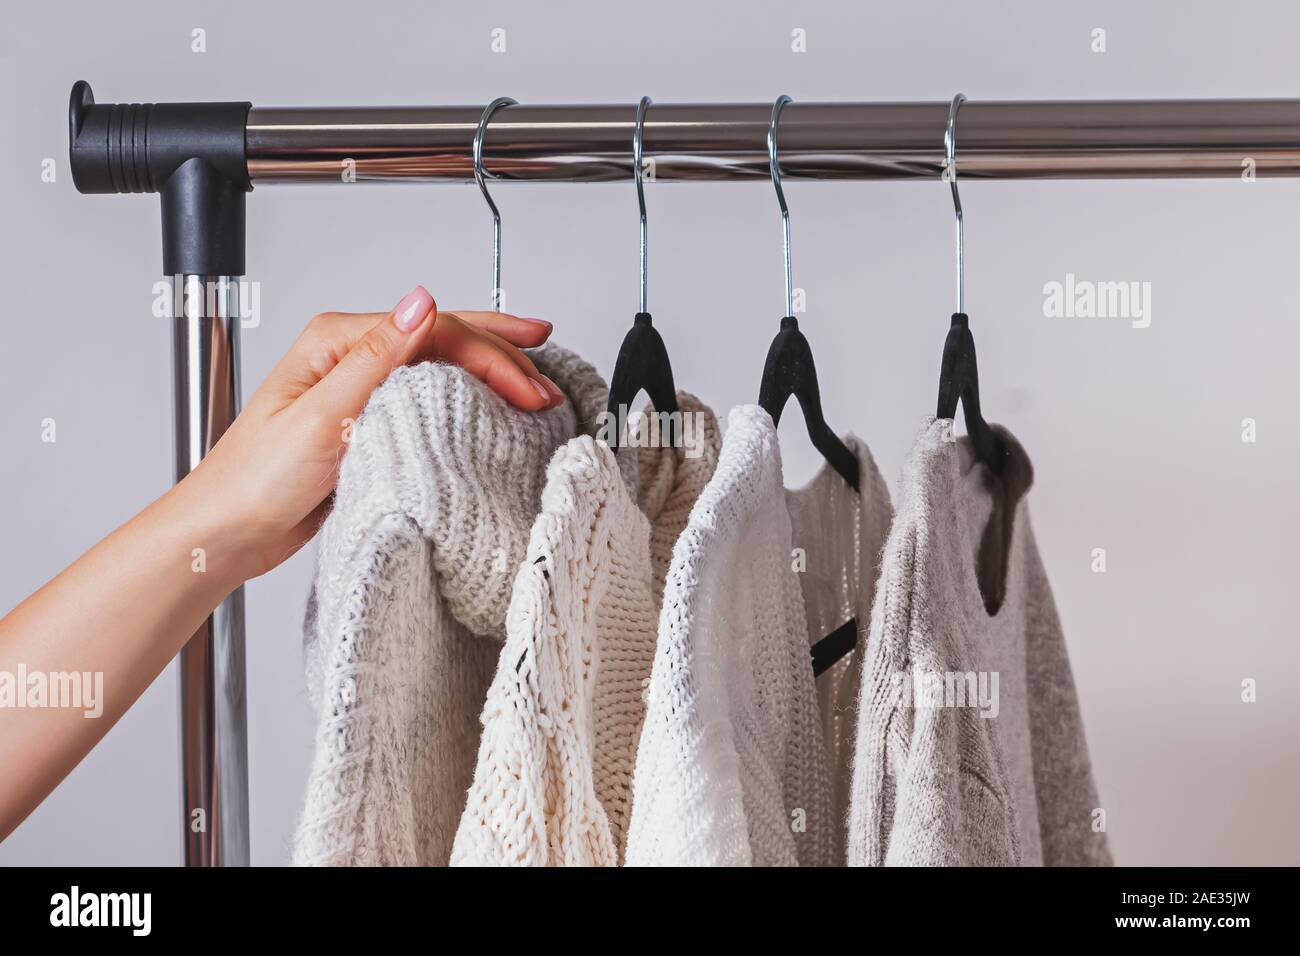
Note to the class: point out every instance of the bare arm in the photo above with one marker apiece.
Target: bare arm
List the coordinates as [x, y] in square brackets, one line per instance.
[127, 606]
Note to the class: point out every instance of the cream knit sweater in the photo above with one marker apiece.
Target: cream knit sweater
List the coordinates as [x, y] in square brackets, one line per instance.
[436, 496]
[564, 712]
[738, 764]
[950, 768]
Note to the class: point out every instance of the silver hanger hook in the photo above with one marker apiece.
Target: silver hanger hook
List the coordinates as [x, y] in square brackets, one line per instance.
[950, 172]
[774, 165]
[638, 135]
[479, 177]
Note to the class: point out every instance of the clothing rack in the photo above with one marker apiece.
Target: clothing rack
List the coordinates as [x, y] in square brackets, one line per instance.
[203, 158]
[998, 140]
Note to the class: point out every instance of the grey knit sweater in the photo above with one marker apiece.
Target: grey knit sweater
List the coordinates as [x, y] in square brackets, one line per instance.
[970, 747]
[436, 498]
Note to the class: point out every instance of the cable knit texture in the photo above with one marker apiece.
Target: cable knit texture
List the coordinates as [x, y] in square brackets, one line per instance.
[563, 714]
[436, 495]
[737, 763]
[947, 772]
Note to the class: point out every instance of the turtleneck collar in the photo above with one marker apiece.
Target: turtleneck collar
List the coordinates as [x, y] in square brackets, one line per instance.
[440, 448]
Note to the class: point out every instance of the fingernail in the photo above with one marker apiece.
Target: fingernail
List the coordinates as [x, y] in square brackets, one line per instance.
[541, 390]
[552, 387]
[541, 322]
[415, 305]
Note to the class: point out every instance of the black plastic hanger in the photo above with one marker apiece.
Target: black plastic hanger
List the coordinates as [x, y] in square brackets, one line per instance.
[642, 358]
[959, 379]
[789, 369]
[958, 372]
[642, 366]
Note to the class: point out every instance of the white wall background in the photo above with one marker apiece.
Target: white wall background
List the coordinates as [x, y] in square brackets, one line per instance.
[1135, 434]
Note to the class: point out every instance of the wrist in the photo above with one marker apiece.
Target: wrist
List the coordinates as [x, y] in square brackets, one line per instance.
[203, 525]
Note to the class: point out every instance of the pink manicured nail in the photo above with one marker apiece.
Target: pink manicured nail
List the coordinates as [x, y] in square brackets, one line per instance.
[542, 391]
[415, 305]
[552, 388]
[536, 321]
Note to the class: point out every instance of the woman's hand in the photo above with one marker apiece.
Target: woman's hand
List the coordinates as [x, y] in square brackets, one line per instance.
[271, 474]
[125, 608]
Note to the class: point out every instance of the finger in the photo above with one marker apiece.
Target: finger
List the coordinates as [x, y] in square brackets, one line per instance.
[331, 335]
[496, 363]
[317, 350]
[525, 333]
[454, 330]
[524, 362]
[391, 342]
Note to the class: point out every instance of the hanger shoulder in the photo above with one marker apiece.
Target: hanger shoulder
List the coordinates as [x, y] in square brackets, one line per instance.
[959, 379]
[642, 365]
[834, 450]
[958, 358]
[789, 362]
[790, 370]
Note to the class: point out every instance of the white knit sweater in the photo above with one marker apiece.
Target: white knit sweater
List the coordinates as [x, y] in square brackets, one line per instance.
[564, 712]
[952, 769]
[737, 763]
[436, 496]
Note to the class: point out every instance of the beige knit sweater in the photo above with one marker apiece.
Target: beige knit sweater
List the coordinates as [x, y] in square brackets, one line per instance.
[436, 497]
[563, 714]
[970, 746]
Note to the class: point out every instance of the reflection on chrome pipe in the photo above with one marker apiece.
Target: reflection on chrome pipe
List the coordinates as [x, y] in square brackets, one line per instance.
[214, 730]
[999, 140]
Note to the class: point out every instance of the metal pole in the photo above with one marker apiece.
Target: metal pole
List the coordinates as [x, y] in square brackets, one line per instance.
[214, 723]
[726, 141]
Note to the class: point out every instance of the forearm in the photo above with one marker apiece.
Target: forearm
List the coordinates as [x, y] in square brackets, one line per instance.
[113, 620]
[122, 610]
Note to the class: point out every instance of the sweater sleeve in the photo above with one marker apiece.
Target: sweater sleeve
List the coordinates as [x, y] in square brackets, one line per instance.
[926, 786]
[390, 762]
[881, 740]
[688, 803]
[533, 801]
[949, 809]
[1063, 782]
[345, 822]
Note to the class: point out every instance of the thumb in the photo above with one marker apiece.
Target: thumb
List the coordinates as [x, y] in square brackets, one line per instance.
[390, 343]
